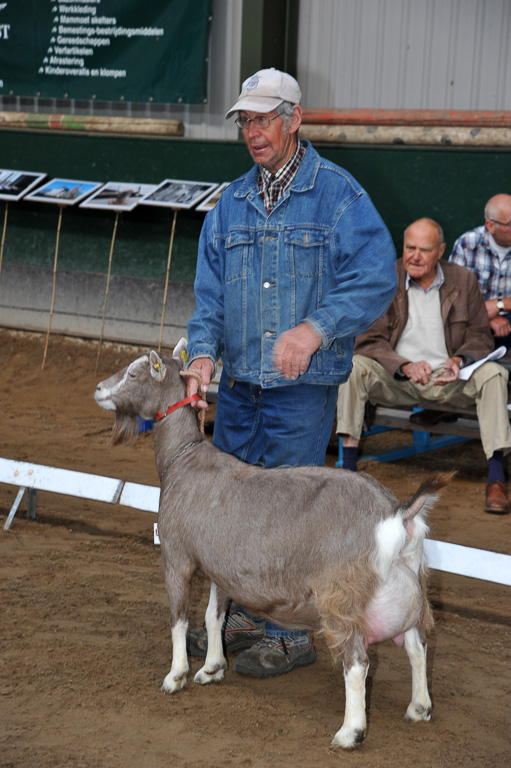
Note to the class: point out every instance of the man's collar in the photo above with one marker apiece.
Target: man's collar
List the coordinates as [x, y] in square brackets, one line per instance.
[266, 177]
[437, 282]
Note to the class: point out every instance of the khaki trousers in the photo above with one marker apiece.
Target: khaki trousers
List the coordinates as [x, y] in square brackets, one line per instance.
[486, 388]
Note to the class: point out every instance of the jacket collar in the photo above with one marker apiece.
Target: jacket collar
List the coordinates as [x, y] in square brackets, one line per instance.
[304, 179]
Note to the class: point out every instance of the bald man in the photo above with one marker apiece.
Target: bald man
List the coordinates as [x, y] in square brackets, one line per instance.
[436, 325]
[486, 251]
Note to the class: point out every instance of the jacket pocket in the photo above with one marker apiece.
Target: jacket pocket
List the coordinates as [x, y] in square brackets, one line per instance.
[305, 252]
[239, 255]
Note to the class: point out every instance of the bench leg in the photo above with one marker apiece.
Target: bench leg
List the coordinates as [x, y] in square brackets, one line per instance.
[14, 509]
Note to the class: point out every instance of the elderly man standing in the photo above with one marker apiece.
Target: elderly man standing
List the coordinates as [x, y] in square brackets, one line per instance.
[294, 261]
[436, 324]
[486, 251]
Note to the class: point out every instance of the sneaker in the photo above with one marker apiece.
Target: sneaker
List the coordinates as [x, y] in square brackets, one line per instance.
[273, 656]
[238, 633]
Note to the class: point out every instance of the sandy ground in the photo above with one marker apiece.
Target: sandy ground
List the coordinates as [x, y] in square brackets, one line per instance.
[85, 641]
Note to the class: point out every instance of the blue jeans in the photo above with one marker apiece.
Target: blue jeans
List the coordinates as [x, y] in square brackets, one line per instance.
[286, 426]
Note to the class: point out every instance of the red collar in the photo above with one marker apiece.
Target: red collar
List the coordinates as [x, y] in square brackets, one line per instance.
[174, 407]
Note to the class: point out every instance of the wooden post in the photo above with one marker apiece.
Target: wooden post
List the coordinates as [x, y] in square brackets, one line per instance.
[61, 208]
[3, 235]
[107, 289]
[167, 278]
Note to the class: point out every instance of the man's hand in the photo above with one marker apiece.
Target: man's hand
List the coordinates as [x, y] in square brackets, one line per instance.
[500, 326]
[294, 349]
[417, 372]
[204, 366]
[450, 372]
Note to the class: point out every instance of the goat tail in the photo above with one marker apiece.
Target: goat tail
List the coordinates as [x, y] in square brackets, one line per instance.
[125, 428]
[425, 496]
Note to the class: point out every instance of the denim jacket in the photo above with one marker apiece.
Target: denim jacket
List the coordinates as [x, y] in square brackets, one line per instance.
[323, 255]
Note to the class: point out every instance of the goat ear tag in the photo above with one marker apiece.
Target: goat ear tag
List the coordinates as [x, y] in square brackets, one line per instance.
[180, 352]
[157, 367]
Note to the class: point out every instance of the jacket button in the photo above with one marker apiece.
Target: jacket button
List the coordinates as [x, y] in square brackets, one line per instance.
[266, 284]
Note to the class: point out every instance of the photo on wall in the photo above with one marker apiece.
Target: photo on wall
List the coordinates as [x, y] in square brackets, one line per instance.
[15, 184]
[213, 198]
[63, 191]
[118, 196]
[179, 193]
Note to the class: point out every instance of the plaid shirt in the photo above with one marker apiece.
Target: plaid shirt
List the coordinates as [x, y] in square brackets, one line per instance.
[473, 250]
[273, 185]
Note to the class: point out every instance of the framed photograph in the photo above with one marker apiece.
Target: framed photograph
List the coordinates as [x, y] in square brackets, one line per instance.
[63, 191]
[15, 184]
[178, 193]
[118, 196]
[213, 198]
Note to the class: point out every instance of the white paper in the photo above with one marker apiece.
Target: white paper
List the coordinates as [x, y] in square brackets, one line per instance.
[467, 372]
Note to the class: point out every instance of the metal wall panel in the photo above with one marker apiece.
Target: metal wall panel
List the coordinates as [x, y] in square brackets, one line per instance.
[405, 54]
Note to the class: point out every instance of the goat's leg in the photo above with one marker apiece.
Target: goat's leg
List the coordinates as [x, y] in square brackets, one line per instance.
[353, 730]
[215, 664]
[177, 584]
[178, 675]
[420, 705]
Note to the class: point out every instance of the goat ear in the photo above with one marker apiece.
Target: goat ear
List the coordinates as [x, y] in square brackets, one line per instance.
[158, 369]
[180, 352]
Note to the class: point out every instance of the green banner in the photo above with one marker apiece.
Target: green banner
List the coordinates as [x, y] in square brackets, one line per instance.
[113, 50]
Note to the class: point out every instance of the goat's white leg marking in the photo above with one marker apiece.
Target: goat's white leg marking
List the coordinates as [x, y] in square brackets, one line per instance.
[215, 664]
[176, 678]
[353, 729]
[420, 705]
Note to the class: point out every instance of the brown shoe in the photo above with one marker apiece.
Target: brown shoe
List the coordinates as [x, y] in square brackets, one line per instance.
[497, 501]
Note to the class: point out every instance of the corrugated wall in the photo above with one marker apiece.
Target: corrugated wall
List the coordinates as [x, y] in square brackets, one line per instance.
[405, 54]
[395, 54]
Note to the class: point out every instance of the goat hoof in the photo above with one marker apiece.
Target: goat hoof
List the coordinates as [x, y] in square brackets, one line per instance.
[417, 712]
[173, 684]
[205, 676]
[349, 738]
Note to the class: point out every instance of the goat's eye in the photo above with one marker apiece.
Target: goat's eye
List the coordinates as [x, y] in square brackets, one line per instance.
[132, 375]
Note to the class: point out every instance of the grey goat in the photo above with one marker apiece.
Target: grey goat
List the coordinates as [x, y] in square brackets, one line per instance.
[326, 549]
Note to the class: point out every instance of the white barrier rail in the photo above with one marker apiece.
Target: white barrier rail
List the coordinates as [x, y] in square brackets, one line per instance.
[442, 555]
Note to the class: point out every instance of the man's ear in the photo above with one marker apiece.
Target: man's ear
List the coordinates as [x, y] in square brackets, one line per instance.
[296, 120]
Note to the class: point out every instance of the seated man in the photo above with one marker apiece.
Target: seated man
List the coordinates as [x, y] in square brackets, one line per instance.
[486, 251]
[436, 324]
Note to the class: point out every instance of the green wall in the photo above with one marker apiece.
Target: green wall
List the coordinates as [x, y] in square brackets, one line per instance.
[445, 183]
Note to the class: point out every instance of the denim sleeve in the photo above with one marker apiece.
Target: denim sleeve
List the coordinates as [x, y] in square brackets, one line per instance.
[207, 321]
[364, 261]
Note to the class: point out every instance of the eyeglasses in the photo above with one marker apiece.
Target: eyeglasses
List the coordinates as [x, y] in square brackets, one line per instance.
[502, 223]
[261, 122]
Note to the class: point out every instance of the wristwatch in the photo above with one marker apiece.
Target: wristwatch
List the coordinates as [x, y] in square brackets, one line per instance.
[500, 305]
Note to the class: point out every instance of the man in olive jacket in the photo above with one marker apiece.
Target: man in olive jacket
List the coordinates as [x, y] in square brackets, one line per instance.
[436, 325]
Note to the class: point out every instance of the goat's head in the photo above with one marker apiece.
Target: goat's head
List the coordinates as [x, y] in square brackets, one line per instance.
[145, 387]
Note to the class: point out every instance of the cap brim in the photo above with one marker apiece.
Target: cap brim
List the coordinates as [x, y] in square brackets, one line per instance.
[253, 104]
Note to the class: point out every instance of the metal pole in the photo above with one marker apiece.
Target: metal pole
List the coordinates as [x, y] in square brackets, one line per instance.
[167, 278]
[61, 208]
[3, 235]
[107, 288]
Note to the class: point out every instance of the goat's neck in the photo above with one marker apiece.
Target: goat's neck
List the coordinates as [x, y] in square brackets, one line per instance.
[173, 433]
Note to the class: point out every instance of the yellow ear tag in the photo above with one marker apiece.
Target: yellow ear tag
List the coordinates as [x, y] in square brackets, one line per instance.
[156, 365]
[184, 356]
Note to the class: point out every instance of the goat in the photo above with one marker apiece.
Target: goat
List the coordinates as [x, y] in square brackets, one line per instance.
[307, 547]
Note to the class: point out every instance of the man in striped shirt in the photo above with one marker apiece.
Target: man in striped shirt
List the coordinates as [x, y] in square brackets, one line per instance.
[486, 251]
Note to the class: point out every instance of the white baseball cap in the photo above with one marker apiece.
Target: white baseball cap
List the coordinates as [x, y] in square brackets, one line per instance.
[265, 90]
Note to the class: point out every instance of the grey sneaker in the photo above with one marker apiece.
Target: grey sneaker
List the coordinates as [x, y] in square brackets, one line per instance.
[238, 633]
[273, 656]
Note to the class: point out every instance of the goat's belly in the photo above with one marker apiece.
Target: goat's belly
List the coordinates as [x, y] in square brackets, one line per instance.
[394, 608]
